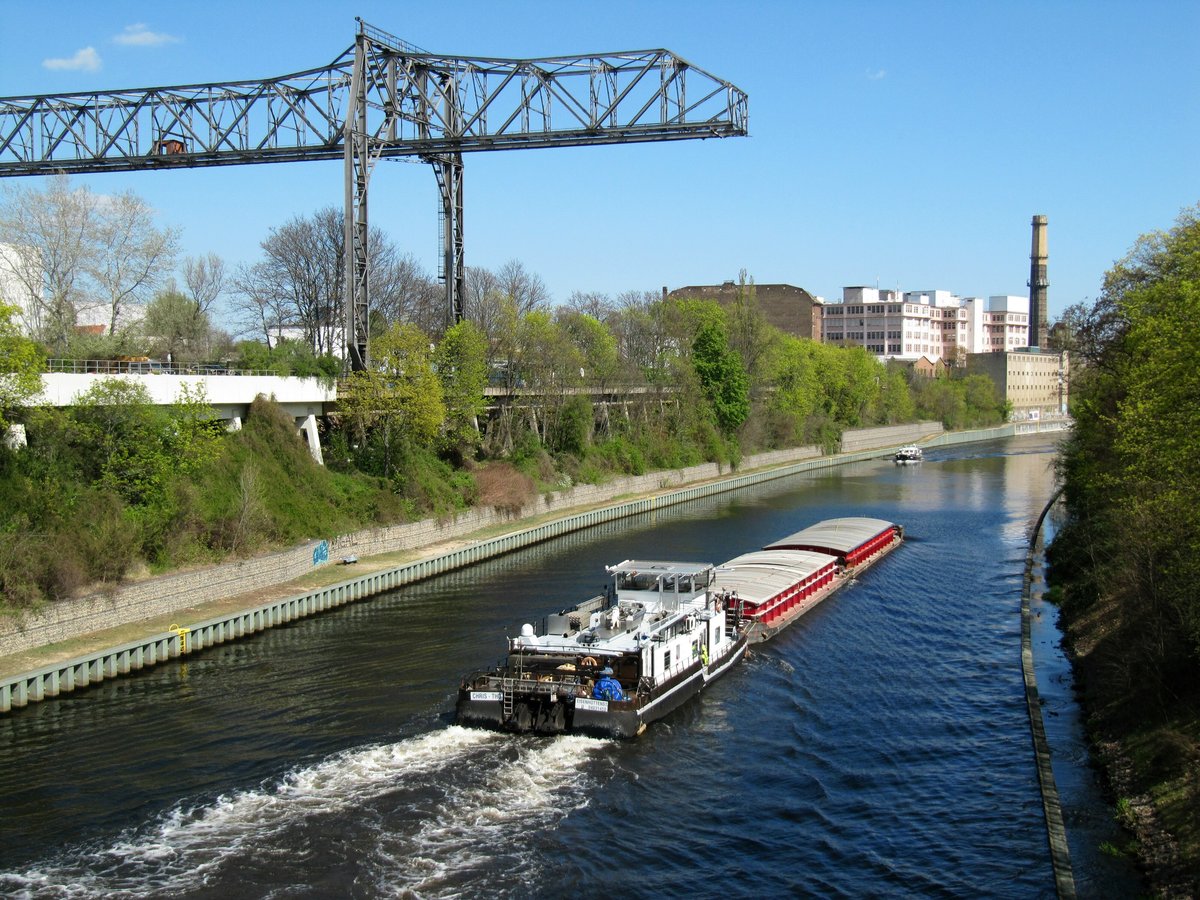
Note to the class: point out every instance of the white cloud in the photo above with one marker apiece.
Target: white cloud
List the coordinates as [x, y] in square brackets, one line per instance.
[139, 35]
[86, 60]
[876, 74]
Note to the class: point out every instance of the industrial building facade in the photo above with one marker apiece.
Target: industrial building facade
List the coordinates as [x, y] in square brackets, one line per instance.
[932, 324]
[1035, 383]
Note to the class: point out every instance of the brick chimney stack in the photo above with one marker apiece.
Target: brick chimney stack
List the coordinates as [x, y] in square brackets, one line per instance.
[1038, 282]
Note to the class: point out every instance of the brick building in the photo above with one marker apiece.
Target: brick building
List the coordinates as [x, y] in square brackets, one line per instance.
[787, 307]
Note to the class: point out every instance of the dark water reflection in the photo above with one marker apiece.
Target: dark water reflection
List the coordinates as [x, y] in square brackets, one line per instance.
[879, 747]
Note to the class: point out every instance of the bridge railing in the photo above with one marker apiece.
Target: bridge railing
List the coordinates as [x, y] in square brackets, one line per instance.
[144, 367]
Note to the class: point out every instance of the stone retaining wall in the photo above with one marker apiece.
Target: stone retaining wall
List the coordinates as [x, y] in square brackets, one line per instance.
[867, 438]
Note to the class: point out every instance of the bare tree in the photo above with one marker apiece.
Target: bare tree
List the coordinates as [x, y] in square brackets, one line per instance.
[205, 278]
[401, 291]
[258, 306]
[592, 303]
[479, 283]
[131, 255]
[525, 288]
[299, 283]
[73, 251]
[640, 329]
[483, 305]
[52, 238]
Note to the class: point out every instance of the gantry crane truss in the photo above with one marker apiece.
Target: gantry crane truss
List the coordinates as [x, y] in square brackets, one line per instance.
[380, 98]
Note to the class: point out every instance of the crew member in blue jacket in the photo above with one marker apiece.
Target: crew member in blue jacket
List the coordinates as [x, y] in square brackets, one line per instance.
[607, 687]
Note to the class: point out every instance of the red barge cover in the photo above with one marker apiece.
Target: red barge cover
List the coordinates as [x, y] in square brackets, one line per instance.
[851, 539]
[784, 579]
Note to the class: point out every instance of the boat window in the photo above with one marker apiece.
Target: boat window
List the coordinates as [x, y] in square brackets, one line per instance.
[636, 581]
[666, 660]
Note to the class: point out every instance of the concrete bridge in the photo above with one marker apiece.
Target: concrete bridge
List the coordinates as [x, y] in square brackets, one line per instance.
[230, 392]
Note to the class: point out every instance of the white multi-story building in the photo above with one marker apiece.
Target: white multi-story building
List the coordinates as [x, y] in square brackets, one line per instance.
[933, 324]
[18, 270]
[1005, 325]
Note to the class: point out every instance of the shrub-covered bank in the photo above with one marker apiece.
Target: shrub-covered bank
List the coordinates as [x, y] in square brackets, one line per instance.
[1126, 564]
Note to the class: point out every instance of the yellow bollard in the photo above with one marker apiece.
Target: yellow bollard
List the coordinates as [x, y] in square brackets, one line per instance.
[183, 637]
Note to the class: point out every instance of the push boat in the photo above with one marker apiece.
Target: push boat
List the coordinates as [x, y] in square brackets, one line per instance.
[910, 454]
[661, 632]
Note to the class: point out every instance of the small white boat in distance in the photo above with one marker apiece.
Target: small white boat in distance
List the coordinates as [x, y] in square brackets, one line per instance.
[910, 454]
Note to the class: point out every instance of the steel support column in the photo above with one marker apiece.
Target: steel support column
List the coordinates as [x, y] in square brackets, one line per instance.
[354, 253]
[449, 173]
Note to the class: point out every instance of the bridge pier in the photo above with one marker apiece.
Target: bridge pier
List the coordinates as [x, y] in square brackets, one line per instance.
[308, 430]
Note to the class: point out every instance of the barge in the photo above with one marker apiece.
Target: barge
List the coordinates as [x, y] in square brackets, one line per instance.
[661, 632]
[772, 587]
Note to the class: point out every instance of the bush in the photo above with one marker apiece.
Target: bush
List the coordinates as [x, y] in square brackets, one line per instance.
[503, 487]
[108, 547]
[619, 454]
[570, 430]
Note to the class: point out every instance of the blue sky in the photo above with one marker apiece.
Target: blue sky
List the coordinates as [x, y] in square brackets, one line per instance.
[904, 144]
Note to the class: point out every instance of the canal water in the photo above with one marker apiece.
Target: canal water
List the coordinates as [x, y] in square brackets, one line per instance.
[878, 747]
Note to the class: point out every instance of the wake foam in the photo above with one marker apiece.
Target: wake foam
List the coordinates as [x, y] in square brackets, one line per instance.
[492, 824]
[186, 846]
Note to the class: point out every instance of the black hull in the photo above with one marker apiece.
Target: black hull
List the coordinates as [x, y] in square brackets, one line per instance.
[539, 713]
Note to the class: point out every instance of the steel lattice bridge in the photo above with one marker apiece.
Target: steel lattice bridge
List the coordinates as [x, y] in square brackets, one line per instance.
[381, 98]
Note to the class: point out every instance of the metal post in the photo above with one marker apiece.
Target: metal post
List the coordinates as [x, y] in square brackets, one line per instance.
[354, 251]
[450, 182]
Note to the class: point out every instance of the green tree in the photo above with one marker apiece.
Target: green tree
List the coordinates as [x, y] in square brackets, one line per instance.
[551, 366]
[722, 377]
[461, 360]
[748, 328]
[795, 396]
[175, 326]
[1132, 467]
[859, 388]
[297, 358]
[194, 437]
[895, 400]
[21, 365]
[397, 404]
[127, 434]
[597, 347]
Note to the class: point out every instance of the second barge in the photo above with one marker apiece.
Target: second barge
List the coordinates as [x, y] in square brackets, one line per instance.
[772, 587]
